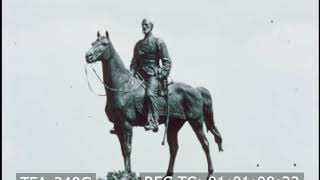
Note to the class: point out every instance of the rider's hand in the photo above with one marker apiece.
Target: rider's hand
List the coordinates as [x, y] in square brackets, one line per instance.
[132, 72]
[159, 74]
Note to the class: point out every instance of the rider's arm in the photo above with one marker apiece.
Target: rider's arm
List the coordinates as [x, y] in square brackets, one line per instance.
[134, 61]
[165, 58]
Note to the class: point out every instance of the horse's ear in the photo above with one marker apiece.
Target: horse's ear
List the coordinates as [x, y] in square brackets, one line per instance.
[98, 34]
[107, 34]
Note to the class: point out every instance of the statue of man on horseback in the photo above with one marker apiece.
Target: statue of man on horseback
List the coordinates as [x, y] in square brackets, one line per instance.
[146, 61]
[187, 104]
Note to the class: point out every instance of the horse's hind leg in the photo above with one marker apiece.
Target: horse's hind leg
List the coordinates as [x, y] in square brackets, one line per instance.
[172, 138]
[197, 126]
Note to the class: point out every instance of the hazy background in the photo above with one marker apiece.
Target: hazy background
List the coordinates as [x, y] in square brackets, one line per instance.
[259, 59]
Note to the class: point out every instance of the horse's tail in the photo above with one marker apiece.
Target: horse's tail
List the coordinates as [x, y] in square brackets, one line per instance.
[208, 116]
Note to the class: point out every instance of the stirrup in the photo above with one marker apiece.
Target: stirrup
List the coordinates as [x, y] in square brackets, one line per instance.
[148, 127]
[155, 129]
[152, 127]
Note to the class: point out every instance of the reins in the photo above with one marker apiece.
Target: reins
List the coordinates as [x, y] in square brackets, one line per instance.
[88, 82]
[108, 87]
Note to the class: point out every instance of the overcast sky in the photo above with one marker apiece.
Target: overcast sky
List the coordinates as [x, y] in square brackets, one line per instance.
[259, 59]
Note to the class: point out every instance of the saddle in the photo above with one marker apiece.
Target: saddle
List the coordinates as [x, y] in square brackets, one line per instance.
[175, 109]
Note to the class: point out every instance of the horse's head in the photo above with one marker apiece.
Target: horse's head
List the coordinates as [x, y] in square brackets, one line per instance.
[98, 51]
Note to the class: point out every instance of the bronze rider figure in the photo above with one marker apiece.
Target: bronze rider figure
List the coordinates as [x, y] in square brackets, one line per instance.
[146, 61]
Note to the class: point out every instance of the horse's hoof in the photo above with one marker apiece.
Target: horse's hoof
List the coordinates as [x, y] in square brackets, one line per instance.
[209, 177]
[168, 176]
[127, 175]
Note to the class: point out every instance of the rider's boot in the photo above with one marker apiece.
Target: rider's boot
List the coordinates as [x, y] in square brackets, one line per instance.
[156, 125]
[149, 124]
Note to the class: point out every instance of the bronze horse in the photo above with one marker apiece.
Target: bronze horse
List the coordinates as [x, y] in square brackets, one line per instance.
[122, 88]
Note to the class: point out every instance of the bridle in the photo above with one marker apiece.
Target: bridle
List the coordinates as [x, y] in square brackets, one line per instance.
[108, 87]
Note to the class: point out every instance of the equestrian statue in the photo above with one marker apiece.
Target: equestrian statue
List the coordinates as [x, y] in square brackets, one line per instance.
[143, 97]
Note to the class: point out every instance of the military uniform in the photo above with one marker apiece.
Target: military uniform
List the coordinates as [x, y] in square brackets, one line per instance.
[146, 61]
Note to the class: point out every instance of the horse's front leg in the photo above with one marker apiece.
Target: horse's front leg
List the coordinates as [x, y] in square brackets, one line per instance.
[125, 138]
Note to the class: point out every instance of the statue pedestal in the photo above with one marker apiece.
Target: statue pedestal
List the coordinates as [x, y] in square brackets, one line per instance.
[121, 175]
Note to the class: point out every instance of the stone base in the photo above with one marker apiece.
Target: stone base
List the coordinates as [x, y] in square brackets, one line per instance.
[121, 175]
